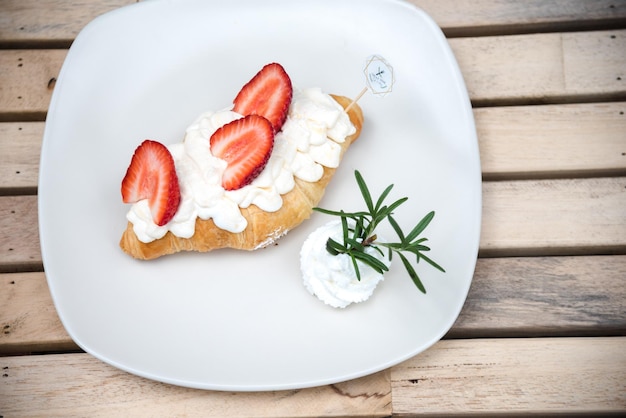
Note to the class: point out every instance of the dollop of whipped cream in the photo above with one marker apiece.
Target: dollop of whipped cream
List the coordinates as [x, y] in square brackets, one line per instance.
[309, 140]
[332, 277]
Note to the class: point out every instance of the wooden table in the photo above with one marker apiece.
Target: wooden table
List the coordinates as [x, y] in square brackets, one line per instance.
[543, 330]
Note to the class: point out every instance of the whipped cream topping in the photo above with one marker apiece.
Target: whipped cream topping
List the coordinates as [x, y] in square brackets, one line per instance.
[332, 277]
[308, 141]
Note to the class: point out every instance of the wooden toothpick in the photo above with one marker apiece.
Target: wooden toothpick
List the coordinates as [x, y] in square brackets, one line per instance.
[356, 99]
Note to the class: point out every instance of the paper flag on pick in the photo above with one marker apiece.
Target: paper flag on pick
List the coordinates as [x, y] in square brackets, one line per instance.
[379, 75]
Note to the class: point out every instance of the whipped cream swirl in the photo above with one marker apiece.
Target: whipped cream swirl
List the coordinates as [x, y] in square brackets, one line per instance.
[332, 277]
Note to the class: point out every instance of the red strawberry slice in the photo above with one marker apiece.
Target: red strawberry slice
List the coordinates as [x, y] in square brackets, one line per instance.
[245, 144]
[268, 94]
[151, 175]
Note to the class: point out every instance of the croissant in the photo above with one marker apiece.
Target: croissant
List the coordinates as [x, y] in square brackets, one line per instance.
[263, 228]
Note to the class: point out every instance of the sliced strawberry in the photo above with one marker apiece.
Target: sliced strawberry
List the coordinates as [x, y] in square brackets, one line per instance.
[268, 94]
[151, 175]
[245, 144]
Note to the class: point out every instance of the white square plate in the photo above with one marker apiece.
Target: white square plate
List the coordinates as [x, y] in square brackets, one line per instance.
[231, 320]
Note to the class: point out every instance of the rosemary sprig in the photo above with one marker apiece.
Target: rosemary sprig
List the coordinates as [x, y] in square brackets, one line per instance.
[359, 233]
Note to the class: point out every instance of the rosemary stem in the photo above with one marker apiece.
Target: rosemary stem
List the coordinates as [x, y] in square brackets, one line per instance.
[359, 233]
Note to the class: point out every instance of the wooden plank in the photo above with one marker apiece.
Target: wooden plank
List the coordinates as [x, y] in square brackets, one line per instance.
[19, 234]
[65, 385]
[543, 68]
[540, 375]
[543, 296]
[582, 74]
[580, 66]
[28, 318]
[53, 23]
[28, 78]
[526, 217]
[20, 146]
[552, 140]
[548, 217]
[513, 376]
[489, 17]
[28, 23]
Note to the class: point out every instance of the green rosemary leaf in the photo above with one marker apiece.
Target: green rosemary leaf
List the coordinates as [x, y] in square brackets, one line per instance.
[419, 241]
[334, 247]
[432, 263]
[421, 226]
[344, 227]
[380, 215]
[416, 249]
[397, 203]
[396, 228]
[412, 273]
[331, 250]
[358, 228]
[397, 246]
[378, 250]
[382, 197]
[355, 244]
[364, 191]
[356, 267]
[371, 261]
[341, 214]
[332, 212]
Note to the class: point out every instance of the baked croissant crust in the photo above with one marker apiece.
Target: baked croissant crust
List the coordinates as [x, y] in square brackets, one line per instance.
[263, 227]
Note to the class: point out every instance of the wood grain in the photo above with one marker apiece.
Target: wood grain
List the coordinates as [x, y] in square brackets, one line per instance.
[52, 23]
[489, 17]
[579, 66]
[548, 217]
[545, 296]
[55, 23]
[509, 297]
[552, 141]
[19, 234]
[20, 146]
[543, 68]
[28, 319]
[73, 385]
[28, 79]
[513, 376]
[473, 376]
